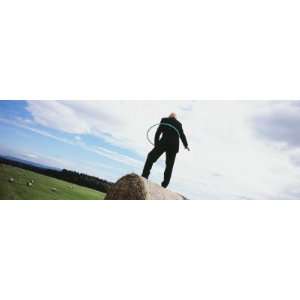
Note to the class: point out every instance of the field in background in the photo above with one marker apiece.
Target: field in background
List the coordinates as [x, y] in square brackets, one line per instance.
[43, 187]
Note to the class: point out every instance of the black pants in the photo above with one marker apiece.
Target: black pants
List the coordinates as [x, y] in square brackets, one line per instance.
[153, 156]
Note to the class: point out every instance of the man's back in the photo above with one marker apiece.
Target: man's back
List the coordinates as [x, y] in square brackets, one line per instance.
[170, 134]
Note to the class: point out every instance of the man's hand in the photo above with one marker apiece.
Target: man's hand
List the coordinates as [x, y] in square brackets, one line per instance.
[187, 148]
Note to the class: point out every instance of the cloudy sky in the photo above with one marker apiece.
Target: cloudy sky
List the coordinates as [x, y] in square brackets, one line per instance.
[239, 149]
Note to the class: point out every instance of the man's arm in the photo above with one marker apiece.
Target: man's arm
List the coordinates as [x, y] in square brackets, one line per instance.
[183, 138]
[158, 133]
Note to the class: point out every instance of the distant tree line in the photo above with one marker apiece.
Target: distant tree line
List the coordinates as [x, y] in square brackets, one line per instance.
[67, 175]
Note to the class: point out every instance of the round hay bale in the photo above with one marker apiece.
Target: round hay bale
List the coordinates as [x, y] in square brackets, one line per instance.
[129, 187]
[134, 187]
[32, 181]
[54, 189]
[29, 183]
[11, 179]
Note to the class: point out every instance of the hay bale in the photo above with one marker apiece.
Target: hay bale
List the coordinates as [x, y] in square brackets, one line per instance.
[29, 183]
[54, 189]
[11, 179]
[32, 181]
[134, 187]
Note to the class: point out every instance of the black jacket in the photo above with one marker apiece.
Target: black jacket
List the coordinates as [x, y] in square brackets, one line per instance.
[170, 138]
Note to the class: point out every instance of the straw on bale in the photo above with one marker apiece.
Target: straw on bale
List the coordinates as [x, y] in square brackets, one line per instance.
[134, 187]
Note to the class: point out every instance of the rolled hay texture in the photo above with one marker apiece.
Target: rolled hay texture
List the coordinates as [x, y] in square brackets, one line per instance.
[135, 187]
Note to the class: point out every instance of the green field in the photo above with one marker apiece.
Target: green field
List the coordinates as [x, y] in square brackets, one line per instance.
[43, 187]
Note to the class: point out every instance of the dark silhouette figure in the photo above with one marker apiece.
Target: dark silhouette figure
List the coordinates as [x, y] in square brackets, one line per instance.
[168, 143]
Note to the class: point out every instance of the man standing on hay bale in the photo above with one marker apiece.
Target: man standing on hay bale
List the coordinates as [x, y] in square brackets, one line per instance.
[171, 130]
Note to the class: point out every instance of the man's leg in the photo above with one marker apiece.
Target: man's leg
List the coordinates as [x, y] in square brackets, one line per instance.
[170, 159]
[152, 157]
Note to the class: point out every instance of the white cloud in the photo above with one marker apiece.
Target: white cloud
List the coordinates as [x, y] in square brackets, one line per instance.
[49, 161]
[111, 155]
[228, 159]
[23, 124]
[56, 115]
[30, 155]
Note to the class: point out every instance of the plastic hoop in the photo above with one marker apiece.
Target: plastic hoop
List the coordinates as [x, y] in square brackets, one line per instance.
[158, 124]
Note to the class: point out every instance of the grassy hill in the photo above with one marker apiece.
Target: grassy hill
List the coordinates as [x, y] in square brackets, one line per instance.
[43, 187]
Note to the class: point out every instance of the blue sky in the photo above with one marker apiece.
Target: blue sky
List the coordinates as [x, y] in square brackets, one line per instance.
[240, 149]
[21, 136]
